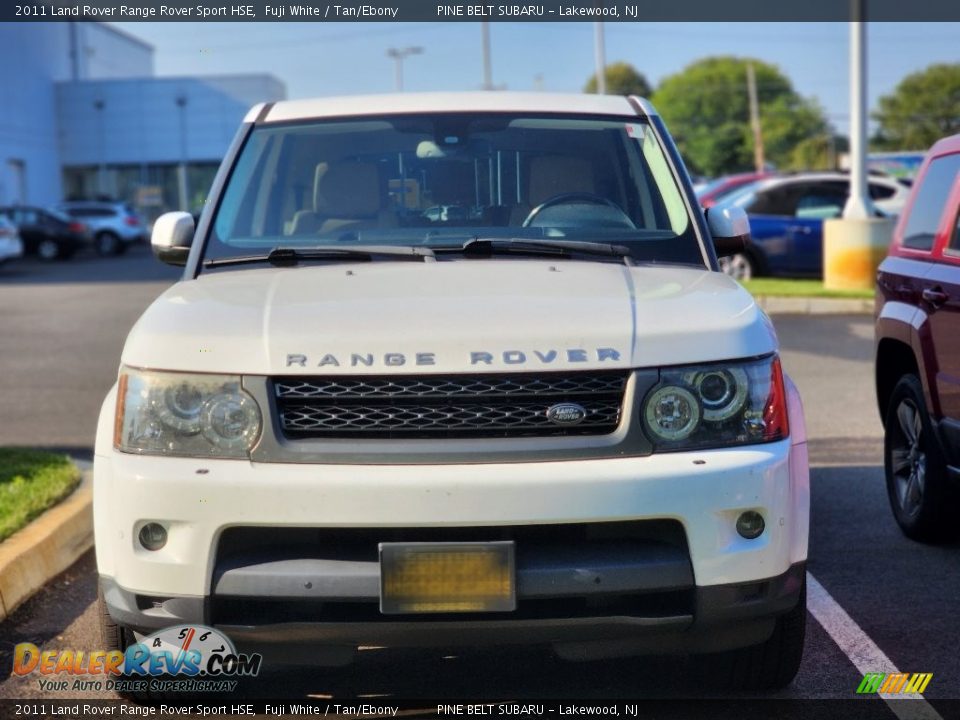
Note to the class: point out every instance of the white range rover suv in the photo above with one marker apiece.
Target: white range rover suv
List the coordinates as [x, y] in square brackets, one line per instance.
[541, 416]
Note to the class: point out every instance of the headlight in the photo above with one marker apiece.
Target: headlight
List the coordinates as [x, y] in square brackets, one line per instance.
[713, 406]
[672, 413]
[166, 413]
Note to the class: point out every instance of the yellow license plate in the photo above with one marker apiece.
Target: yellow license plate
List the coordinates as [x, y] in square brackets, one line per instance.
[447, 577]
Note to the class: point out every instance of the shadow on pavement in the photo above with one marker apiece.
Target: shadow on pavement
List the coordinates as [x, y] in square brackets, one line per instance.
[76, 452]
[846, 451]
[136, 265]
[846, 342]
[48, 613]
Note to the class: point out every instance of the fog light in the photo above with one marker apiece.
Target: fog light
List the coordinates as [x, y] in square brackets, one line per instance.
[750, 525]
[153, 536]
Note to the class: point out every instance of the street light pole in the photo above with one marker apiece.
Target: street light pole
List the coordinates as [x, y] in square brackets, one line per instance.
[399, 55]
[485, 48]
[600, 58]
[183, 181]
[854, 245]
[858, 205]
[99, 105]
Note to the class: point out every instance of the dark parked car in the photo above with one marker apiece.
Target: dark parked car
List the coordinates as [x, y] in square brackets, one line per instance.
[49, 234]
[786, 220]
[918, 351]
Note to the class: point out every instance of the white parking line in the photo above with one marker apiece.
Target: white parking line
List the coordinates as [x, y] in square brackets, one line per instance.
[862, 651]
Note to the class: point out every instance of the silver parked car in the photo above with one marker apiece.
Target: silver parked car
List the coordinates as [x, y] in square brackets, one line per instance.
[10, 244]
[114, 225]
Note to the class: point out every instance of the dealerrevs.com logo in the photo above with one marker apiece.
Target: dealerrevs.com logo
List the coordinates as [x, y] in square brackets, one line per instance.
[188, 658]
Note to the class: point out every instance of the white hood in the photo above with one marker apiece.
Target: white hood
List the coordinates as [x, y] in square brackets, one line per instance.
[447, 317]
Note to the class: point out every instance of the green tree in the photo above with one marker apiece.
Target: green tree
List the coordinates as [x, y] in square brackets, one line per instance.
[707, 108]
[923, 108]
[819, 152]
[622, 79]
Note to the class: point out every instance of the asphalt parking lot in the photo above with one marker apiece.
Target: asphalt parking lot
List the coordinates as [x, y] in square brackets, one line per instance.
[63, 327]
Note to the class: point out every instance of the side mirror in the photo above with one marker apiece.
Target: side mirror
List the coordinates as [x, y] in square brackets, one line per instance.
[171, 238]
[730, 229]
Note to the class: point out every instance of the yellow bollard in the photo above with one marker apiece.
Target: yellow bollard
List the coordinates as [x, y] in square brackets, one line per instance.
[853, 250]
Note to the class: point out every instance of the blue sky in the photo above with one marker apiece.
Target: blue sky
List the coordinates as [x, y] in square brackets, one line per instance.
[316, 59]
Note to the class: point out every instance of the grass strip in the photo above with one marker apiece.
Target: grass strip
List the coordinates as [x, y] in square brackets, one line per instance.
[780, 287]
[30, 482]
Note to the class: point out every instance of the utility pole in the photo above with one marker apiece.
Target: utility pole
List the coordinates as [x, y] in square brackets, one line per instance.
[399, 55]
[758, 160]
[485, 48]
[600, 58]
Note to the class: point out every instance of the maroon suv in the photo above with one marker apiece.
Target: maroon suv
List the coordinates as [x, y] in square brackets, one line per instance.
[918, 351]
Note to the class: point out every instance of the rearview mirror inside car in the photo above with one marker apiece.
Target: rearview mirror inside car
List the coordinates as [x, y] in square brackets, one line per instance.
[172, 236]
[730, 229]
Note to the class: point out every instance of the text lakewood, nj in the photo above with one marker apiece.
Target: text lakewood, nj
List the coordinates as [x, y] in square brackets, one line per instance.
[465, 10]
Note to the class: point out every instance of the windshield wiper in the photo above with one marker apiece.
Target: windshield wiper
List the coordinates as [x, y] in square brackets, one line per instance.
[289, 256]
[485, 247]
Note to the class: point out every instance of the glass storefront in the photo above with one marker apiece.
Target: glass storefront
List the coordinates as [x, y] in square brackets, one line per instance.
[151, 189]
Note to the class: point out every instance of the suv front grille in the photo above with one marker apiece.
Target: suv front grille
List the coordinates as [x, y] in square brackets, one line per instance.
[447, 406]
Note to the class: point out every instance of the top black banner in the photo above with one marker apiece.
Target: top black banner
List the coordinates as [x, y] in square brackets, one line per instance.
[438, 11]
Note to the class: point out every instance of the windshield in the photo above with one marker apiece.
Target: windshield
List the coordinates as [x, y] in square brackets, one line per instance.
[437, 180]
[58, 214]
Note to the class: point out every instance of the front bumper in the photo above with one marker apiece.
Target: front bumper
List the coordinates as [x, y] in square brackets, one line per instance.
[708, 590]
[197, 500]
[723, 617]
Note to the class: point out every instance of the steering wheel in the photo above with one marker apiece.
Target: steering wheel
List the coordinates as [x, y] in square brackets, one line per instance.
[577, 197]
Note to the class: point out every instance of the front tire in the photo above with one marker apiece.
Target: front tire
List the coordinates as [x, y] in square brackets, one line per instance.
[118, 637]
[112, 635]
[108, 244]
[915, 469]
[49, 250]
[741, 267]
[771, 665]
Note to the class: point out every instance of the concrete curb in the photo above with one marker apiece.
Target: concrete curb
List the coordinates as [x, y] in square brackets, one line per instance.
[815, 306]
[46, 547]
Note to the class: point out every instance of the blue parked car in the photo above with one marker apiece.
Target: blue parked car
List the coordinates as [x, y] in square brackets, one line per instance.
[786, 221]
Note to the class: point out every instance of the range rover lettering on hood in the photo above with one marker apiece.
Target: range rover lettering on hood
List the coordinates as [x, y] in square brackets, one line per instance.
[480, 357]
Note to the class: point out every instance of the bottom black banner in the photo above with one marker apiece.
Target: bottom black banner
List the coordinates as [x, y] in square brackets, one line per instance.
[719, 709]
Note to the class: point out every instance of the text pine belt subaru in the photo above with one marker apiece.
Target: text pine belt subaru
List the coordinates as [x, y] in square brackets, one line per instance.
[456, 369]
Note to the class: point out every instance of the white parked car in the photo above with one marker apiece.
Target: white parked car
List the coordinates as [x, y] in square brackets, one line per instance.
[556, 422]
[10, 244]
[115, 226]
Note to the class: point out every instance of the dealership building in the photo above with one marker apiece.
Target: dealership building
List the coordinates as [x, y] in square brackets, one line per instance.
[82, 115]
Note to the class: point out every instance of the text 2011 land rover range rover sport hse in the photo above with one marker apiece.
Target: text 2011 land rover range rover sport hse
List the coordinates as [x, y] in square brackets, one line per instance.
[456, 369]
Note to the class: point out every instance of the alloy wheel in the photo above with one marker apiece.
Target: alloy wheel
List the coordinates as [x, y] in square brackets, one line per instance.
[908, 459]
[737, 266]
[48, 250]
